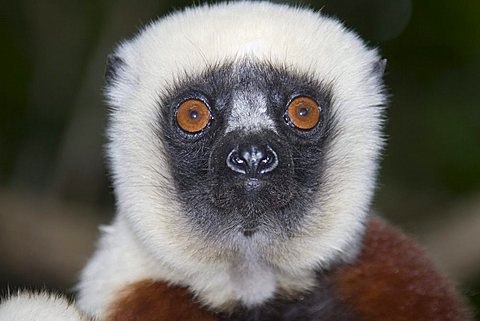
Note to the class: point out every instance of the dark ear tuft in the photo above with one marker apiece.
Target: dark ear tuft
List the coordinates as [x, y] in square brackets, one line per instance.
[111, 68]
[379, 67]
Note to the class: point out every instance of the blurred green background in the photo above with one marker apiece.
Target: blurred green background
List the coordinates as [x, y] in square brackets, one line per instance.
[54, 187]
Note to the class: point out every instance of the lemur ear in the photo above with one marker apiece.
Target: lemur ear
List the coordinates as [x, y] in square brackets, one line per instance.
[379, 67]
[114, 63]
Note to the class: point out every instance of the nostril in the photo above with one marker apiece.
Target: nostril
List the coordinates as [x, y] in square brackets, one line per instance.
[269, 161]
[235, 158]
[236, 163]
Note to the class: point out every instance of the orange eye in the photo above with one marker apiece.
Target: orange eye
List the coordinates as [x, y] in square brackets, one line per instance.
[193, 115]
[304, 112]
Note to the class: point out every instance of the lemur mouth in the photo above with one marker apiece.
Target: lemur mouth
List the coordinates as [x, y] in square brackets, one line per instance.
[253, 184]
[248, 232]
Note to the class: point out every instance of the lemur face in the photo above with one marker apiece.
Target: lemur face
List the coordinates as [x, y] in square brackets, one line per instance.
[245, 143]
[229, 141]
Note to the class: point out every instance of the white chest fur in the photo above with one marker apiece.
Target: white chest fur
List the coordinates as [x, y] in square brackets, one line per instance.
[252, 280]
[120, 261]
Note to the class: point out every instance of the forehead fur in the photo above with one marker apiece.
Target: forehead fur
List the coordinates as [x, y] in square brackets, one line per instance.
[189, 42]
[194, 39]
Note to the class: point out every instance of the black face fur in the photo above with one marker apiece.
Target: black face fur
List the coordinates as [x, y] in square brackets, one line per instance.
[217, 199]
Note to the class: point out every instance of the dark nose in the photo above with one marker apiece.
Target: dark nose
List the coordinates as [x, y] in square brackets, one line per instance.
[252, 159]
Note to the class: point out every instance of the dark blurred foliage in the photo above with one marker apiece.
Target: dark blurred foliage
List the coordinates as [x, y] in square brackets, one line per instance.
[52, 115]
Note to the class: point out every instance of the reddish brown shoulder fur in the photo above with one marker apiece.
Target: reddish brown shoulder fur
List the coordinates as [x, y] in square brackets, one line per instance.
[156, 301]
[393, 280]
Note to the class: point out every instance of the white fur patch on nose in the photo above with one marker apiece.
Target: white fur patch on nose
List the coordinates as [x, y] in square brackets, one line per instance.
[249, 112]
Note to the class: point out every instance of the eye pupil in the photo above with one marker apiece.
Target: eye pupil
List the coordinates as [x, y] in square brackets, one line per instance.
[193, 114]
[303, 112]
